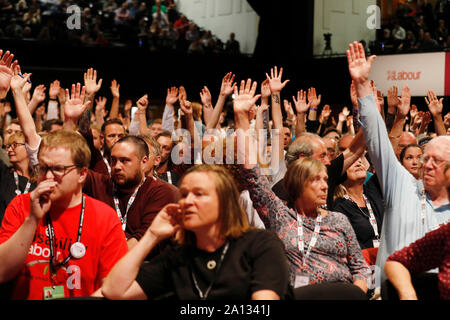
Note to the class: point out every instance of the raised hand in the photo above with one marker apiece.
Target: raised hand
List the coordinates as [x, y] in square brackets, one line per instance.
[205, 97]
[392, 98]
[40, 112]
[325, 114]
[167, 222]
[265, 89]
[18, 82]
[228, 85]
[405, 102]
[313, 99]
[142, 103]
[39, 94]
[300, 103]
[344, 114]
[115, 89]
[7, 68]
[54, 89]
[182, 93]
[100, 106]
[172, 96]
[275, 83]
[90, 82]
[290, 115]
[245, 98]
[186, 107]
[359, 68]
[434, 105]
[74, 106]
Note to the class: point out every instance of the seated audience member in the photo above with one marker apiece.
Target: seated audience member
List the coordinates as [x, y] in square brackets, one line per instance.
[406, 138]
[410, 158]
[19, 178]
[164, 169]
[112, 130]
[332, 253]
[136, 198]
[57, 209]
[427, 253]
[156, 128]
[424, 254]
[363, 205]
[52, 125]
[154, 155]
[413, 207]
[332, 147]
[219, 255]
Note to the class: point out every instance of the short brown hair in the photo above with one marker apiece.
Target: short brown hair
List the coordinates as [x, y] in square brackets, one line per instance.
[197, 111]
[79, 149]
[299, 173]
[233, 219]
[153, 143]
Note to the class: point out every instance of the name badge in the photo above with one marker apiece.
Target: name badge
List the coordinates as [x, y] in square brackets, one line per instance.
[55, 292]
[376, 243]
[301, 280]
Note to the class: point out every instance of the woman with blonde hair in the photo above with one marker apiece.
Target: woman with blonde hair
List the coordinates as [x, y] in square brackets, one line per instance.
[218, 256]
[19, 178]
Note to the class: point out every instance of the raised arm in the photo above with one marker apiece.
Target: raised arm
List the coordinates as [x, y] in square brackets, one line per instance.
[436, 106]
[276, 86]
[75, 107]
[205, 98]
[402, 110]
[37, 98]
[226, 89]
[23, 113]
[7, 67]
[115, 91]
[302, 108]
[92, 86]
[168, 120]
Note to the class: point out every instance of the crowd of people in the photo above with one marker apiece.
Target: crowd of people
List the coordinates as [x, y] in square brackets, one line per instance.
[415, 26]
[154, 25]
[97, 200]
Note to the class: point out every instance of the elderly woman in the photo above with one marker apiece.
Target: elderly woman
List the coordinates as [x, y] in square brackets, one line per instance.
[321, 246]
[218, 257]
[410, 159]
[362, 203]
[19, 178]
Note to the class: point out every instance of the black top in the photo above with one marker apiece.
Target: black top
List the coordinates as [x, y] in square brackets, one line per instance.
[335, 178]
[255, 261]
[359, 220]
[8, 187]
[173, 175]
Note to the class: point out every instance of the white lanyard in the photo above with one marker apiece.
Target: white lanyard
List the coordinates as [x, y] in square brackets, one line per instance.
[27, 187]
[169, 177]
[123, 219]
[107, 166]
[422, 212]
[312, 243]
[372, 220]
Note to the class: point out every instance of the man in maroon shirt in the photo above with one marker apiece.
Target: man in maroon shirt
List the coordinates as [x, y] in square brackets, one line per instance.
[137, 199]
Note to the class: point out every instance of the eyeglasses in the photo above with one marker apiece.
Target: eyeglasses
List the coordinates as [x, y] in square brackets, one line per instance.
[14, 145]
[57, 171]
[434, 161]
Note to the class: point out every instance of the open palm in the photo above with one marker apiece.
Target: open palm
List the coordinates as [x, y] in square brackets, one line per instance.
[74, 107]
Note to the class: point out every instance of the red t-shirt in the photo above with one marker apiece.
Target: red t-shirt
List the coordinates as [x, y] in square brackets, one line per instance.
[102, 236]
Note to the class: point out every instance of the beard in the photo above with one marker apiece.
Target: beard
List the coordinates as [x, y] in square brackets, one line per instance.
[128, 183]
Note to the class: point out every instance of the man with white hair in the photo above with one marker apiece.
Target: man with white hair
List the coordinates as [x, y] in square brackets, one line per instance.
[413, 207]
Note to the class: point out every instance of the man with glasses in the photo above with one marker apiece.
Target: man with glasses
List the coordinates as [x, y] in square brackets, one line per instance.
[413, 207]
[56, 241]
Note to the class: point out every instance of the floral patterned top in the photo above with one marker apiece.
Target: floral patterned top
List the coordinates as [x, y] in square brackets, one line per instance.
[336, 257]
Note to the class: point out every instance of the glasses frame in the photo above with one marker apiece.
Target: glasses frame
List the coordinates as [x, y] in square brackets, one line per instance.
[14, 145]
[51, 168]
[435, 162]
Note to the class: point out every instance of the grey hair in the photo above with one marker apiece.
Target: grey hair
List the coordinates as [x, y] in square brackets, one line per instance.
[443, 141]
[302, 145]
